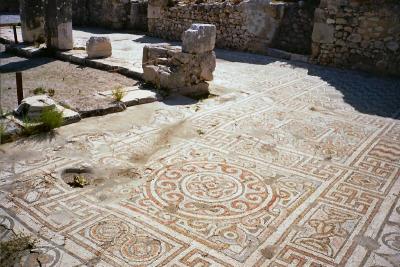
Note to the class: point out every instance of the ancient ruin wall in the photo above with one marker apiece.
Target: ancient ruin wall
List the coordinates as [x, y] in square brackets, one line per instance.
[112, 14]
[229, 19]
[358, 34]
[295, 30]
[249, 26]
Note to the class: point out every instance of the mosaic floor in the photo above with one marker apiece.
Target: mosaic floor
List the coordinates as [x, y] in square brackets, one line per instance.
[295, 166]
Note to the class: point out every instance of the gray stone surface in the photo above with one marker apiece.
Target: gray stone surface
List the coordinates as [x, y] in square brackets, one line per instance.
[199, 38]
[135, 96]
[323, 33]
[99, 47]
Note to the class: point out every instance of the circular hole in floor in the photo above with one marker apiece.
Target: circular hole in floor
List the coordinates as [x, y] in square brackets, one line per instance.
[78, 177]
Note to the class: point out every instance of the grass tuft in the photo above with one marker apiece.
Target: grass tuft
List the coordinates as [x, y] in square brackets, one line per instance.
[79, 181]
[51, 92]
[51, 119]
[118, 93]
[39, 91]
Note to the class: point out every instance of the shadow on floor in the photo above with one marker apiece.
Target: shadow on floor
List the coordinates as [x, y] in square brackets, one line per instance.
[10, 63]
[154, 40]
[367, 93]
[95, 30]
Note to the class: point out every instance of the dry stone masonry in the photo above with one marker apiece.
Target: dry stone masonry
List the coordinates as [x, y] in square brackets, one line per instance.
[113, 14]
[358, 34]
[295, 30]
[249, 25]
[183, 70]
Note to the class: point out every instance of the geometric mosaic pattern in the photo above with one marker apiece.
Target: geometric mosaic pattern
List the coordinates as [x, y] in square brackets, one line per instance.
[288, 174]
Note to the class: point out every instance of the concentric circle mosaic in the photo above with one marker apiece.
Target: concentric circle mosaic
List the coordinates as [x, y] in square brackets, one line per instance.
[209, 190]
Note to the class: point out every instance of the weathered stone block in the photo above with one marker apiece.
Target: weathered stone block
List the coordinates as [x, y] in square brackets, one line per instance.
[199, 38]
[167, 67]
[32, 107]
[98, 47]
[323, 33]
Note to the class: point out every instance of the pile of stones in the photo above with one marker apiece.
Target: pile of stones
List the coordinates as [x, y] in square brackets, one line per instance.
[184, 70]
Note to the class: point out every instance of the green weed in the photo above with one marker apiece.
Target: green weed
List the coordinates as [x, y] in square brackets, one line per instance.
[39, 91]
[79, 181]
[51, 92]
[118, 93]
[51, 119]
[29, 127]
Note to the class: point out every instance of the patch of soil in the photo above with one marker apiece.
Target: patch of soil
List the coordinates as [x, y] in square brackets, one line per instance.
[13, 250]
[74, 86]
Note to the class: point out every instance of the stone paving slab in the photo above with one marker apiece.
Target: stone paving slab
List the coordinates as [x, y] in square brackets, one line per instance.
[135, 96]
[289, 165]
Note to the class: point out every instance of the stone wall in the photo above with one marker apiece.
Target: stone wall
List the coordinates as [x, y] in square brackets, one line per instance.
[113, 14]
[249, 25]
[11, 6]
[358, 34]
[295, 30]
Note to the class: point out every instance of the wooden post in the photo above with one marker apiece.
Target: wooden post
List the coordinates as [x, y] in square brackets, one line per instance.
[20, 89]
[15, 34]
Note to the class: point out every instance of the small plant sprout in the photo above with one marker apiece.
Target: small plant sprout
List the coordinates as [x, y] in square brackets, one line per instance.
[29, 127]
[118, 93]
[51, 92]
[80, 181]
[51, 119]
[39, 91]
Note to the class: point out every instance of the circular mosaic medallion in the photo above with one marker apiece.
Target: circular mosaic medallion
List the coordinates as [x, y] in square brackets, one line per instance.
[209, 190]
[211, 187]
[141, 248]
[107, 231]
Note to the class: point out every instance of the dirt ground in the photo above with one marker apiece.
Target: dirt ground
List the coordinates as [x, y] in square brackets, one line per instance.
[74, 86]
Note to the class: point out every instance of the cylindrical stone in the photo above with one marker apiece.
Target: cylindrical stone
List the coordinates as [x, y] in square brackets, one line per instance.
[32, 20]
[59, 24]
